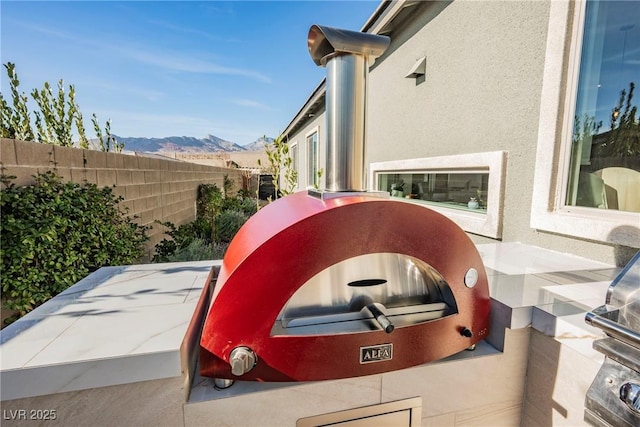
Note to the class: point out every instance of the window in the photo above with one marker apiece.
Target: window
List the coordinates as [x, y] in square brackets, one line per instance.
[455, 190]
[468, 188]
[294, 160]
[587, 177]
[604, 169]
[312, 160]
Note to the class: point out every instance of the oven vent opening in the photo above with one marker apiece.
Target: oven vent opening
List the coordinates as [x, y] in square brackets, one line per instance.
[372, 292]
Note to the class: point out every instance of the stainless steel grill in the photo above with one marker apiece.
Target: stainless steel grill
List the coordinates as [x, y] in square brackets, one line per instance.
[614, 396]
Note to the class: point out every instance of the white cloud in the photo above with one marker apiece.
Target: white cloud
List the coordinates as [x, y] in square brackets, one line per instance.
[178, 62]
[170, 60]
[251, 104]
[192, 31]
[141, 92]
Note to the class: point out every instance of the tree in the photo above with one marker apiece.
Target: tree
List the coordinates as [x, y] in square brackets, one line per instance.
[107, 141]
[16, 122]
[55, 119]
[624, 138]
[57, 116]
[281, 166]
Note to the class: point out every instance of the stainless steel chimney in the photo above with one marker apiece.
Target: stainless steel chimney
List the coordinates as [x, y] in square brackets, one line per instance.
[345, 54]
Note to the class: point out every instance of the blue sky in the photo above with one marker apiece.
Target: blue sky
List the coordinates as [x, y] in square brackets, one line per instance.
[237, 70]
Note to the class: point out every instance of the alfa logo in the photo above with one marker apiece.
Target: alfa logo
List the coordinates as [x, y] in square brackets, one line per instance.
[376, 353]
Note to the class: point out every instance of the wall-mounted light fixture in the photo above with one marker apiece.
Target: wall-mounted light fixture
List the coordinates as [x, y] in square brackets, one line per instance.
[419, 69]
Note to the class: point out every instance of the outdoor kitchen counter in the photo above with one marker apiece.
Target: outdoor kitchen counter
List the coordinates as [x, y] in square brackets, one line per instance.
[118, 325]
[124, 327]
[529, 286]
[547, 290]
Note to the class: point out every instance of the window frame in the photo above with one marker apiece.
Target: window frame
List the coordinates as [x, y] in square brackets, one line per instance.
[308, 135]
[487, 224]
[549, 211]
[294, 147]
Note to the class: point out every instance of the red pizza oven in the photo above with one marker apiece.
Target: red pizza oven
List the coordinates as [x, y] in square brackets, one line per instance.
[343, 282]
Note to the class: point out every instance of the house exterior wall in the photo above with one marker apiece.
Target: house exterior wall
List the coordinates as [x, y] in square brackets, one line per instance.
[153, 188]
[482, 92]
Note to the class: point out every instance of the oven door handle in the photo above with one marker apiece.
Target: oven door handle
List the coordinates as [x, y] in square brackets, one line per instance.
[613, 329]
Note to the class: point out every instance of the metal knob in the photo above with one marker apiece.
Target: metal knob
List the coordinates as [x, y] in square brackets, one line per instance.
[630, 395]
[242, 360]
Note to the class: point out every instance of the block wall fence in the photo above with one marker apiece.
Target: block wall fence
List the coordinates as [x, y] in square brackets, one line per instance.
[153, 188]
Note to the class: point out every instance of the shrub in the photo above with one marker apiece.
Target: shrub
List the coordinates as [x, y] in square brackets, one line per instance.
[248, 206]
[241, 204]
[181, 237]
[218, 219]
[227, 224]
[209, 201]
[281, 165]
[198, 250]
[55, 233]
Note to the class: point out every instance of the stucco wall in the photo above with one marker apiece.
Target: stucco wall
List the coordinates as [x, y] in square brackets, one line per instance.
[153, 188]
[481, 93]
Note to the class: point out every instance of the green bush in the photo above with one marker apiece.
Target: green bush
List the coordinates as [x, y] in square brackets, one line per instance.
[219, 218]
[181, 237]
[228, 223]
[209, 201]
[248, 206]
[55, 233]
[198, 250]
[243, 205]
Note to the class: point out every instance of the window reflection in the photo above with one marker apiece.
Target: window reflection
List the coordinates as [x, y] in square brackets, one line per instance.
[605, 155]
[312, 160]
[455, 190]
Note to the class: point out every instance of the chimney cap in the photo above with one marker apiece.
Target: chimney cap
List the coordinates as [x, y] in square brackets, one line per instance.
[326, 41]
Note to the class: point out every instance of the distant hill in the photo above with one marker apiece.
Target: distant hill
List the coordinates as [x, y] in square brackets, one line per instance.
[187, 144]
[258, 144]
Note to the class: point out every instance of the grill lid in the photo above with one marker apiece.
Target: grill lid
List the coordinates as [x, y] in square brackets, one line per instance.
[619, 317]
[613, 399]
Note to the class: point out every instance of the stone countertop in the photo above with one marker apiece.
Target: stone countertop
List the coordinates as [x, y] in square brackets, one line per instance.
[126, 324]
[547, 290]
[529, 287]
[118, 325]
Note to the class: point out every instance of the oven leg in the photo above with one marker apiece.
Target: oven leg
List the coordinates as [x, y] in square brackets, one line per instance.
[222, 383]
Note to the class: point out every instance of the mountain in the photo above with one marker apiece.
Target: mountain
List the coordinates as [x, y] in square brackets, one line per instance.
[185, 144]
[258, 144]
[209, 143]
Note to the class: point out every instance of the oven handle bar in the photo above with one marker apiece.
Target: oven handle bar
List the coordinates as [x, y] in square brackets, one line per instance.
[382, 320]
[614, 329]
